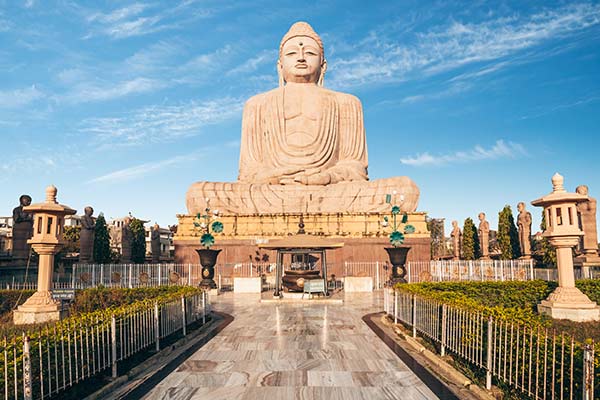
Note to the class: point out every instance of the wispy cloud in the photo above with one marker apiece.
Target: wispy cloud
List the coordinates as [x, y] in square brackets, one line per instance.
[499, 150]
[139, 19]
[254, 62]
[19, 97]
[161, 123]
[141, 170]
[558, 107]
[87, 91]
[382, 59]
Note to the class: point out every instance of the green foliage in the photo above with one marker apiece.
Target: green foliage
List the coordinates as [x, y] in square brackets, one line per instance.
[138, 241]
[543, 247]
[9, 299]
[438, 245]
[102, 251]
[470, 241]
[508, 235]
[71, 237]
[101, 298]
[514, 301]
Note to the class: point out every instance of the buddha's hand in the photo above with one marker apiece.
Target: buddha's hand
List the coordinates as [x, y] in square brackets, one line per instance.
[316, 178]
[277, 176]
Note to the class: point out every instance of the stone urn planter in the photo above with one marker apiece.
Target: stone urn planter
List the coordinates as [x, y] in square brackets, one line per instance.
[397, 257]
[208, 259]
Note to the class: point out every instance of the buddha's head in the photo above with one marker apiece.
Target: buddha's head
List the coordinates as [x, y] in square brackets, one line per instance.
[481, 217]
[89, 211]
[582, 189]
[301, 56]
[25, 200]
[521, 207]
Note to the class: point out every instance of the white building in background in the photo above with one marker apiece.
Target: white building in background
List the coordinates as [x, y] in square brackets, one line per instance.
[5, 235]
[73, 220]
[166, 242]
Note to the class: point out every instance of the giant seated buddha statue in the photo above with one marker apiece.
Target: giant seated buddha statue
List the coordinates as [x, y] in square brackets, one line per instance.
[303, 147]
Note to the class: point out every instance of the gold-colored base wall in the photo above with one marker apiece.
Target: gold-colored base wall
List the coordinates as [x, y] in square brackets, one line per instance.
[268, 226]
[363, 234]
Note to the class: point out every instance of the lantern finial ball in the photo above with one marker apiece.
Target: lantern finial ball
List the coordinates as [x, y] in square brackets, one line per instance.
[558, 183]
[51, 194]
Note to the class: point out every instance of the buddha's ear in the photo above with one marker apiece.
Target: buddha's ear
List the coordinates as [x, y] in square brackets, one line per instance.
[280, 73]
[321, 80]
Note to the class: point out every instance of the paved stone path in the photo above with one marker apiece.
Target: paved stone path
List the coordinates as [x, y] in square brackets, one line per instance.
[294, 351]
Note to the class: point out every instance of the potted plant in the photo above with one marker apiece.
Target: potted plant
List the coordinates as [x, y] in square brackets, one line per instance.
[397, 253]
[204, 224]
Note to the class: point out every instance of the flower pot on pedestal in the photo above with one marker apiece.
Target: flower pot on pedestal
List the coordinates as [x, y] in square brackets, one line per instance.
[397, 257]
[208, 259]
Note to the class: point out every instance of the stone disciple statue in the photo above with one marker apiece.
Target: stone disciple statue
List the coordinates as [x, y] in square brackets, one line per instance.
[587, 218]
[22, 229]
[155, 243]
[456, 237]
[126, 241]
[86, 237]
[484, 237]
[303, 147]
[524, 225]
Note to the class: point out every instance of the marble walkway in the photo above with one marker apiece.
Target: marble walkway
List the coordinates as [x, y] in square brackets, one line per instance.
[293, 351]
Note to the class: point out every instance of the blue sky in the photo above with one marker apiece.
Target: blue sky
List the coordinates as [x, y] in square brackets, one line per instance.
[122, 105]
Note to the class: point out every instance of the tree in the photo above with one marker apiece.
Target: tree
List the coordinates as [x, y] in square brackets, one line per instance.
[544, 248]
[102, 251]
[508, 236]
[71, 237]
[438, 241]
[470, 241]
[138, 241]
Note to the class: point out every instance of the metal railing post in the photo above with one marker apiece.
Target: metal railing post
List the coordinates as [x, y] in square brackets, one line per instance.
[189, 274]
[204, 306]
[443, 331]
[377, 274]
[408, 270]
[488, 367]
[113, 347]
[183, 321]
[156, 328]
[414, 316]
[395, 306]
[588, 372]
[27, 384]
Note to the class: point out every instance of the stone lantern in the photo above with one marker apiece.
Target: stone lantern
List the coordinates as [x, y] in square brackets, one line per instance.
[47, 240]
[562, 231]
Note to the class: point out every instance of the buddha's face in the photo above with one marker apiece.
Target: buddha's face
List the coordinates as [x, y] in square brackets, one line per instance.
[301, 60]
[25, 201]
[482, 217]
[521, 207]
[89, 211]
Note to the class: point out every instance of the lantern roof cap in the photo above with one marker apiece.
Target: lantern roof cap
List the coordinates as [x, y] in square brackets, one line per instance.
[559, 194]
[51, 205]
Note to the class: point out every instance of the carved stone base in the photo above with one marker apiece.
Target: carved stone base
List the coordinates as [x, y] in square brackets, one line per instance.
[569, 303]
[39, 308]
[587, 260]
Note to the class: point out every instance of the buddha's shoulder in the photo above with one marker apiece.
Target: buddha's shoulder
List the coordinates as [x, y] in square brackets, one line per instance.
[344, 98]
[261, 98]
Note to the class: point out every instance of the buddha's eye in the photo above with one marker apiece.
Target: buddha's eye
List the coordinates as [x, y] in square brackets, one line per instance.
[291, 53]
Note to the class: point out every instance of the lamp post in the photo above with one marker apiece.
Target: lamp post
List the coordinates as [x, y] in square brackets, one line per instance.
[47, 240]
[562, 231]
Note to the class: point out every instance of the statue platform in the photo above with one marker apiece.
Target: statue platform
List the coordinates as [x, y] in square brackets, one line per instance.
[363, 235]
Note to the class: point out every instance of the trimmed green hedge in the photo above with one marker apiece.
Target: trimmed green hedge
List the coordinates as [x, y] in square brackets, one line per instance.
[514, 301]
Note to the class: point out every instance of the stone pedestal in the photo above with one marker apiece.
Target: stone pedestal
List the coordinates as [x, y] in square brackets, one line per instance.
[570, 303]
[358, 284]
[39, 308]
[247, 285]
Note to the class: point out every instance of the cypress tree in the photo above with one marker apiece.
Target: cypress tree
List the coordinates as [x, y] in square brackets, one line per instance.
[508, 235]
[102, 253]
[470, 241]
[138, 241]
[548, 252]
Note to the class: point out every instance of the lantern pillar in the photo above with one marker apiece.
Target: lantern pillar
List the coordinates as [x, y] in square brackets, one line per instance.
[47, 240]
[563, 233]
